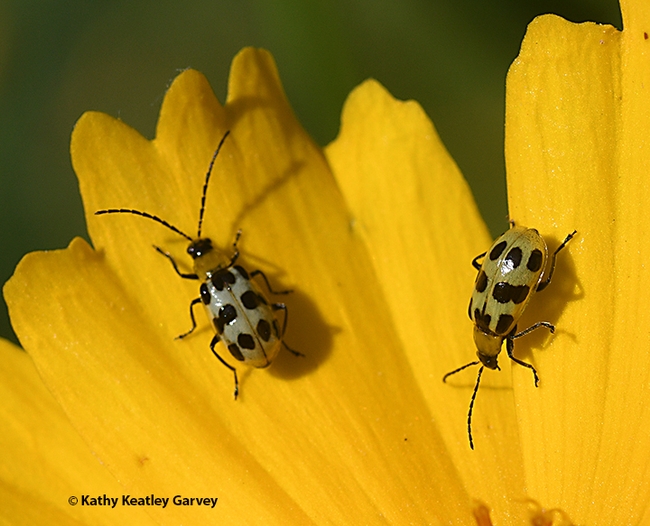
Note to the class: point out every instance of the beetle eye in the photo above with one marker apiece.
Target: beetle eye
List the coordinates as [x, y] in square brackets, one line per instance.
[199, 248]
[489, 361]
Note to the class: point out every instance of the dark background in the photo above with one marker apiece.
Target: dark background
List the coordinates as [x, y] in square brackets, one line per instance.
[61, 58]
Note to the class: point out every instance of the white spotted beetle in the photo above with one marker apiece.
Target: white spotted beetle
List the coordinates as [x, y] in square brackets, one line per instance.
[242, 316]
[506, 280]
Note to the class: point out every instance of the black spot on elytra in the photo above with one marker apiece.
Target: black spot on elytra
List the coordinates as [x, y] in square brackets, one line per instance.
[481, 281]
[227, 315]
[497, 250]
[205, 294]
[242, 271]
[504, 292]
[504, 324]
[482, 320]
[250, 300]
[223, 279]
[514, 257]
[236, 352]
[246, 341]
[535, 260]
[264, 330]
[469, 309]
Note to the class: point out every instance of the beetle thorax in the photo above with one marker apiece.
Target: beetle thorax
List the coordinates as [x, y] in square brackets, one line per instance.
[489, 346]
[207, 259]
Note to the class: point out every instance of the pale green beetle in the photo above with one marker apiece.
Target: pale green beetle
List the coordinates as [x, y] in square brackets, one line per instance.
[243, 317]
[509, 275]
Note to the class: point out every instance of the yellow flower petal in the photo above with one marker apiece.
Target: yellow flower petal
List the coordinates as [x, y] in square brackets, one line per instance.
[338, 436]
[159, 411]
[577, 157]
[414, 211]
[45, 462]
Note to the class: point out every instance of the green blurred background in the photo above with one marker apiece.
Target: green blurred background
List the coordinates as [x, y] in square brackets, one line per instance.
[61, 58]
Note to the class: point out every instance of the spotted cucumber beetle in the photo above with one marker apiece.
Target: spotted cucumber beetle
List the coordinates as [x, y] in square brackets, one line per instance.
[506, 280]
[240, 312]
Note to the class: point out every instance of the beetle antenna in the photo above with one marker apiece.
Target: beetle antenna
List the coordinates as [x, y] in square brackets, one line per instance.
[207, 179]
[471, 407]
[144, 214]
[444, 378]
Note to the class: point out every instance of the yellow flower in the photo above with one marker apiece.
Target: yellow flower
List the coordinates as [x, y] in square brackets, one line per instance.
[375, 237]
